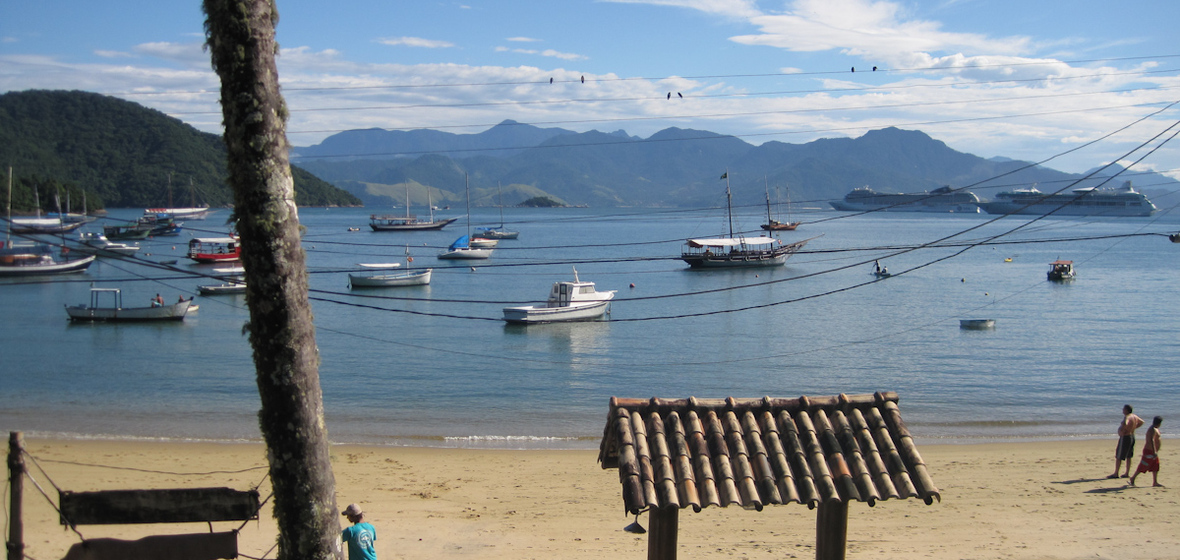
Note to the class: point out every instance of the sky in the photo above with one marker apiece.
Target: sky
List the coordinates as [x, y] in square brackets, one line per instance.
[1026, 80]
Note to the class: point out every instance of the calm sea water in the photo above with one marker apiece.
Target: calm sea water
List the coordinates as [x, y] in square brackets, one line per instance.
[1061, 362]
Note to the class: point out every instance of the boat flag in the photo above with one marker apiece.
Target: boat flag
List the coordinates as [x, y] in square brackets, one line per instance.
[724, 175]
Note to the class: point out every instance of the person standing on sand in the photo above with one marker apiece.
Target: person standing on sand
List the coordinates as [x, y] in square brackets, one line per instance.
[361, 537]
[1151, 453]
[1126, 448]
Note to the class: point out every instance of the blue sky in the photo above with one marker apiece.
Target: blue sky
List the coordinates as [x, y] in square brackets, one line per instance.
[1027, 80]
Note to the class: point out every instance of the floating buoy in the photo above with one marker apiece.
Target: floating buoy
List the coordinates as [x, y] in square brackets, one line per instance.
[633, 284]
[962, 279]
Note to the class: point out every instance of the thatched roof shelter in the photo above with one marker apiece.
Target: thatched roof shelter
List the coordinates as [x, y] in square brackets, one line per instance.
[819, 451]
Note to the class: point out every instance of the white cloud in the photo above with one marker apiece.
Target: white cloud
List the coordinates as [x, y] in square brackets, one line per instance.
[522, 40]
[113, 54]
[547, 52]
[415, 42]
[729, 8]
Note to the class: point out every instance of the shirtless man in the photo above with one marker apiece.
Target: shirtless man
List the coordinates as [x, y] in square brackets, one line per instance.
[1151, 453]
[1126, 447]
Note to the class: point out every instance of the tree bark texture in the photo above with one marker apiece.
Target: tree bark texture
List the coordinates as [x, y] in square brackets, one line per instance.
[240, 36]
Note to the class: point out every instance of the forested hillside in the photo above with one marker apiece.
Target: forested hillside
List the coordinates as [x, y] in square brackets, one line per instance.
[120, 154]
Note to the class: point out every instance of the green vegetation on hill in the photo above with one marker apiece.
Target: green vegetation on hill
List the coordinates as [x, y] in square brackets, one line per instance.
[120, 154]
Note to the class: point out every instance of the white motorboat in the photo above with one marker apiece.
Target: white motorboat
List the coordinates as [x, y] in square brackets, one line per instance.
[116, 312]
[98, 244]
[568, 301]
[483, 243]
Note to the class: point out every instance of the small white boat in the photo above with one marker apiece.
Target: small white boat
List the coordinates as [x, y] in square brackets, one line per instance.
[235, 284]
[568, 301]
[408, 278]
[496, 233]
[483, 243]
[116, 311]
[98, 244]
[385, 280]
[977, 324]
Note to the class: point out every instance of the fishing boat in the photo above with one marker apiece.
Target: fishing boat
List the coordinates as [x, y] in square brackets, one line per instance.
[775, 225]
[497, 232]
[881, 271]
[568, 301]
[386, 280]
[1060, 270]
[32, 259]
[42, 225]
[977, 324]
[1089, 201]
[160, 225]
[126, 231]
[737, 251]
[463, 248]
[214, 249]
[386, 222]
[116, 312]
[97, 244]
[234, 283]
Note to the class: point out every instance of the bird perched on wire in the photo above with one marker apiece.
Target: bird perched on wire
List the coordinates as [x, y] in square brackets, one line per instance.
[678, 94]
[669, 95]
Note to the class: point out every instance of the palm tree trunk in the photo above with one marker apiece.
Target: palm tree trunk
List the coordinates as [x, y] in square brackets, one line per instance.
[240, 36]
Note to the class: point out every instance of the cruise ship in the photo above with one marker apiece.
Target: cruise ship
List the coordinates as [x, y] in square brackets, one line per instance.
[942, 199]
[1089, 201]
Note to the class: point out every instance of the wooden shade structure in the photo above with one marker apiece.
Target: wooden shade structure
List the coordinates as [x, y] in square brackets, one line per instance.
[819, 451]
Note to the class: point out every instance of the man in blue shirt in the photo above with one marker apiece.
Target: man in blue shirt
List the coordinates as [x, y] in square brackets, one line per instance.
[361, 536]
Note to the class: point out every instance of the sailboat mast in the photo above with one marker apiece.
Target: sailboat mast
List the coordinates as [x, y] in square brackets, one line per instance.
[728, 203]
[501, 191]
[467, 187]
[8, 232]
[766, 185]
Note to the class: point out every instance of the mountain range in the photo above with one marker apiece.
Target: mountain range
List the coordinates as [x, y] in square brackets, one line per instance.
[120, 154]
[674, 167]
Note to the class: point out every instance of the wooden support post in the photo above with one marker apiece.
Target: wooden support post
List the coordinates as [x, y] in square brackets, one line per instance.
[831, 530]
[661, 538]
[16, 475]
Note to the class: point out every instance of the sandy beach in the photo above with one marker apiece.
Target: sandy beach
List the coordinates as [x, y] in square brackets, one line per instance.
[1013, 500]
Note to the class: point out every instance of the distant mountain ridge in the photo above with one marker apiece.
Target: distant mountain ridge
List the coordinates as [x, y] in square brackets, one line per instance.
[673, 167]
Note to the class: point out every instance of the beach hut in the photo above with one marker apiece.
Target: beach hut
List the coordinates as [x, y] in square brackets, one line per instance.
[822, 452]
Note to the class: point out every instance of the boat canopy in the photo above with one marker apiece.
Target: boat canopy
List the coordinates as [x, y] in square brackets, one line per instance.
[211, 240]
[730, 242]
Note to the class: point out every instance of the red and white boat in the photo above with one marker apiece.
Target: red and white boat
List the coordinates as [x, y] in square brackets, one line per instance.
[215, 249]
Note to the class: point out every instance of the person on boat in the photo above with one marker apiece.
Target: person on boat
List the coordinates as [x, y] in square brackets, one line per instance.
[158, 301]
[361, 536]
[876, 266]
[1126, 447]
[1151, 449]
